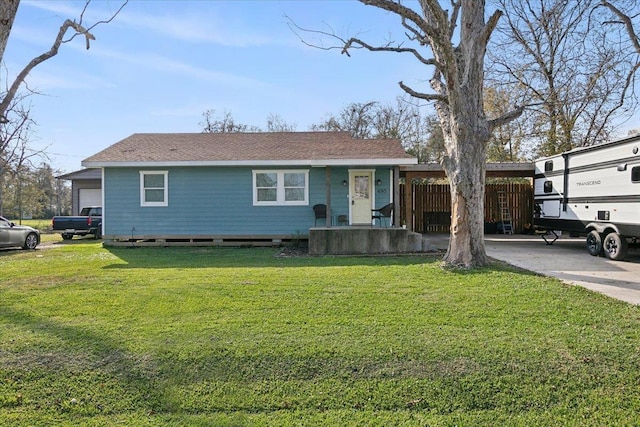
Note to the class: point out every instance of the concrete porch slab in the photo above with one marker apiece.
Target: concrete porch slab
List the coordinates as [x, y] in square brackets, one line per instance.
[364, 240]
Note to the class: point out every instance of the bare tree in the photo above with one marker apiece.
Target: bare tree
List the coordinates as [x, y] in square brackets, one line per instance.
[419, 134]
[625, 18]
[402, 120]
[15, 123]
[226, 123]
[623, 15]
[78, 29]
[275, 123]
[356, 118]
[223, 124]
[457, 92]
[507, 142]
[396, 120]
[15, 134]
[566, 67]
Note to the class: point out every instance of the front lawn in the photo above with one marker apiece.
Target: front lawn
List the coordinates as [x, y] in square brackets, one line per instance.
[233, 337]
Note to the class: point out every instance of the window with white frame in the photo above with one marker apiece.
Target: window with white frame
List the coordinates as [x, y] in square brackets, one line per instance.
[275, 187]
[154, 188]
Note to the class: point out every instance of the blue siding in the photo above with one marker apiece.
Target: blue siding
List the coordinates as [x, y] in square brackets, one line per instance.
[218, 201]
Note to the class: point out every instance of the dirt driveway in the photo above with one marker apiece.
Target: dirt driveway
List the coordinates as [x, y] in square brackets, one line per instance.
[568, 260]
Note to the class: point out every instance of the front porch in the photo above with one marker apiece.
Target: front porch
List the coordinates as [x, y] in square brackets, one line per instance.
[365, 241]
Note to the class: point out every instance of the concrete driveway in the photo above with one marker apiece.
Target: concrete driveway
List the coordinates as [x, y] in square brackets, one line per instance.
[568, 260]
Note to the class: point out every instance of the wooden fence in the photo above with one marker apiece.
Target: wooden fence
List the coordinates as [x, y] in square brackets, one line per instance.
[432, 206]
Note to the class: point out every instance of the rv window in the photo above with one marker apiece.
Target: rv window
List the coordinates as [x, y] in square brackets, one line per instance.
[548, 166]
[548, 187]
[635, 174]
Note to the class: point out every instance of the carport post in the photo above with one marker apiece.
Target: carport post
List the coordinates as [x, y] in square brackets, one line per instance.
[408, 205]
[328, 189]
[396, 196]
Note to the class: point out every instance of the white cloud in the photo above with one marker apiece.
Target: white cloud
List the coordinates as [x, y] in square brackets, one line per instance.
[165, 64]
[64, 9]
[190, 111]
[43, 81]
[197, 29]
[34, 36]
[216, 23]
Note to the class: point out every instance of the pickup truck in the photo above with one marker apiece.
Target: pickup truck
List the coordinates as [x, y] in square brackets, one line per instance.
[88, 222]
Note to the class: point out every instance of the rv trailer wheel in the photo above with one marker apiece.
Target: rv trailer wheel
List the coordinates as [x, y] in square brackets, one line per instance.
[615, 246]
[594, 243]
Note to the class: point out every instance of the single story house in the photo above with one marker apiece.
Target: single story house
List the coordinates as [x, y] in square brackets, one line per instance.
[201, 187]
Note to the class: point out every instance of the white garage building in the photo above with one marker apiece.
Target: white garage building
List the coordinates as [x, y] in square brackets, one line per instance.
[86, 188]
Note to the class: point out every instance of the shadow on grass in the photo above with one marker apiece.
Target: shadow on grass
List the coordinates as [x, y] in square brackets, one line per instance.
[151, 383]
[82, 357]
[212, 257]
[77, 240]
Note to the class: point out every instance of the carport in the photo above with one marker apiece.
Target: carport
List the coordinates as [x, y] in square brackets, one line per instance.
[426, 207]
[86, 188]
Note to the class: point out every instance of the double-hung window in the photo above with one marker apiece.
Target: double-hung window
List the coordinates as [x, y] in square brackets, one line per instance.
[280, 187]
[154, 188]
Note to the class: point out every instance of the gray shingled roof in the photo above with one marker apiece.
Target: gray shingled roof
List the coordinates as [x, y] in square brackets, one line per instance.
[249, 148]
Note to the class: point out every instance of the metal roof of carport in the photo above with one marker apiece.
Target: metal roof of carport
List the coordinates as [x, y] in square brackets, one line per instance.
[493, 170]
[88, 173]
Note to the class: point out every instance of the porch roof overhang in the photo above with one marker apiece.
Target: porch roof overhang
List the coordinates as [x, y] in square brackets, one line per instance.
[89, 173]
[493, 170]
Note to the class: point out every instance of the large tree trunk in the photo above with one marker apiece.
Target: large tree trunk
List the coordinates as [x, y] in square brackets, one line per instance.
[466, 133]
[466, 242]
[464, 164]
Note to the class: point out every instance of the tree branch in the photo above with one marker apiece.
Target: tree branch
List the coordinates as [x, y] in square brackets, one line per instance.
[79, 30]
[40, 59]
[506, 118]
[388, 48]
[627, 24]
[408, 13]
[417, 35]
[425, 96]
[491, 25]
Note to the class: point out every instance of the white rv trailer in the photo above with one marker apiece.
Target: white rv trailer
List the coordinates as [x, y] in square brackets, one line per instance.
[594, 192]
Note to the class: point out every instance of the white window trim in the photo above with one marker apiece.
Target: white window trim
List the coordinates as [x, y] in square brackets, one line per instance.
[280, 188]
[143, 202]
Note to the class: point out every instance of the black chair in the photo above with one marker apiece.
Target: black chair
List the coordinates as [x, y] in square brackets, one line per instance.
[320, 211]
[382, 213]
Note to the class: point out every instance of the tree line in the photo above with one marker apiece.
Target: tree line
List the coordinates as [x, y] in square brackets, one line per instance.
[34, 192]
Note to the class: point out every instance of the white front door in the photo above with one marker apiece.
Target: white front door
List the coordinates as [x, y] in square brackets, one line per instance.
[361, 194]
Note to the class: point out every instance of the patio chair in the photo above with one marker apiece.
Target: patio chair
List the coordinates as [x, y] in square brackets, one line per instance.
[320, 212]
[382, 214]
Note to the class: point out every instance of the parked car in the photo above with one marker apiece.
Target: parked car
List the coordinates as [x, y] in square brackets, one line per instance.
[88, 222]
[12, 235]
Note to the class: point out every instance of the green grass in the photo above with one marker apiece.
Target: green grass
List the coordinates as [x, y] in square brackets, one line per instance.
[43, 225]
[234, 337]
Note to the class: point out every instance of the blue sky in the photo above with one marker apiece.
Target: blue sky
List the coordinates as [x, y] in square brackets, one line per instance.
[161, 63]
